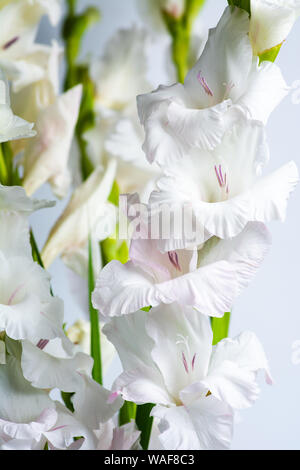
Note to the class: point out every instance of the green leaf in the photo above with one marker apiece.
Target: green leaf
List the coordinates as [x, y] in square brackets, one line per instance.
[220, 327]
[74, 28]
[144, 423]
[35, 251]
[127, 413]
[95, 328]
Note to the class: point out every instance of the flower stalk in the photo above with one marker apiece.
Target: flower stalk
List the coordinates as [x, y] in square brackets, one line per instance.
[180, 30]
[95, 329]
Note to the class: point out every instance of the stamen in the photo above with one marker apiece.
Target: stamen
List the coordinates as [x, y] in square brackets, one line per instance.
[173, 257]
[185, 363]
[220, 172]
[204, 84]
[42, 343]
[222, 180]
[59, 427]
[10, 42]
[193, 361]
[218, 177]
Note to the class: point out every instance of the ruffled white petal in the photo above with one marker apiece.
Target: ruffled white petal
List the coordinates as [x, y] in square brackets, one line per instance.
[172, 128]
[245, 252]
[232, 373]
[123, 289]
[47, 371]
[142, 385]
[91, 403]
[266, 88]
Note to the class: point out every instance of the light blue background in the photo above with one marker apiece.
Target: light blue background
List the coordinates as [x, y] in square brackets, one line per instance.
[270, 306]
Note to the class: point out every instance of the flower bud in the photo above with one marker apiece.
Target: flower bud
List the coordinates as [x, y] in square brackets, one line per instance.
[271, 22]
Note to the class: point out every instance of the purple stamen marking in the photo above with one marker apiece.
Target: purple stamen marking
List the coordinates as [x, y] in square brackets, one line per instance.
[173, 257]
[59, 427]
[193, 361]
[204, 84]
[220, 173]
[10, 43]
[221, 180]
[218, 177]
[185, 363]
[42, 343]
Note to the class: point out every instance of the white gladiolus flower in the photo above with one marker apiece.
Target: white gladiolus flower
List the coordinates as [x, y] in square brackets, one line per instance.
[119, 76]
[35, 80]
[195, 387]
[11, 127]
[271, 22]
[224, 188]
[224, 85]
[20, 17]
[122, 70]
[38, 65]
[22, 60]
[209, 282]
[87, 210]
[27, 309]
[46, 156]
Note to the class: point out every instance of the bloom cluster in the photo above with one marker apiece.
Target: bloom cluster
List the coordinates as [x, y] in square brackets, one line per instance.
[198, 147]
[207, 136]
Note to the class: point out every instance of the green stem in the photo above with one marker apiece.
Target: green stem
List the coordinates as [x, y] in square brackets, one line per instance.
[144, 423]
[72, 6]
[220, 327]
[180, 30]
[95, 328]
[3, 168]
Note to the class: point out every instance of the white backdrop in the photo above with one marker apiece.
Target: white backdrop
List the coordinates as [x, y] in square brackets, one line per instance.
[270, 306]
